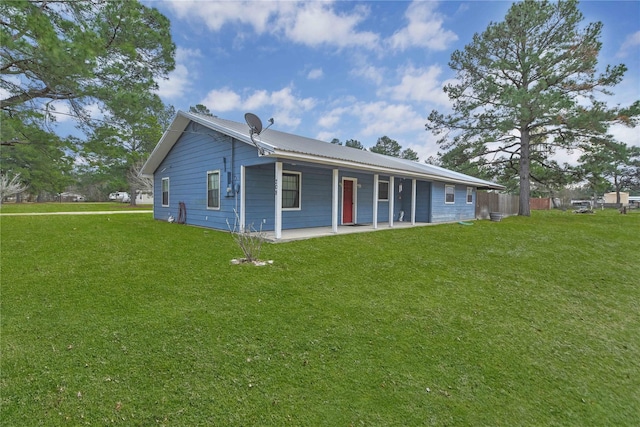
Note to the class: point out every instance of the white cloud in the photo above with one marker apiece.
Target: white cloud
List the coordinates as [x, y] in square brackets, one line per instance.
[283, 105]
[180, 79]
[380, 118]
[630, 43]
[315, 74]
[418, 84]
[222, 100]
[215, 14]
[332, 118]
[369, 72]
[316, 23]
[175, 84]
[424, 29]
[307, 23]
[625, 134]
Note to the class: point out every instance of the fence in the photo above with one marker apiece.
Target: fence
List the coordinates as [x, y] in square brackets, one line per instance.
[506, 204]
[540, 203]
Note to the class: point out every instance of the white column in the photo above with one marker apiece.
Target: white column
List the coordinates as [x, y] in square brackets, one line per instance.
[243, 199]
[413, 201]
[375, 201]
[392, 195]
[334, 202]
[277, 226]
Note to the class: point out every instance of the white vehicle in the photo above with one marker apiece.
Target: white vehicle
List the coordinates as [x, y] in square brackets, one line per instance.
[120, 196]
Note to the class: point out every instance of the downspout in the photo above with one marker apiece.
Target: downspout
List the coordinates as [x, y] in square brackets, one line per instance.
[375, 201]
[334, 202]
[278, 201]
[243, 173]
[392, 195]
[413, 201]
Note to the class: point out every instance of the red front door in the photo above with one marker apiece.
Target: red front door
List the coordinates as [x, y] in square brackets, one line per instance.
[347, 202]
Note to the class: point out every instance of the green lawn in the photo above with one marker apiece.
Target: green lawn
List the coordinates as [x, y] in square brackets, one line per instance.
[68, 207]
[119, 319]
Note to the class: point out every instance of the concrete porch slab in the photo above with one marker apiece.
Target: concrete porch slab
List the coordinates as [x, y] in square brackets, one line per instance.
[309, 233]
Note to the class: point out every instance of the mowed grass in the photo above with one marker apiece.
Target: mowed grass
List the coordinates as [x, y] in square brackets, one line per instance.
[123, 320]
[11, 208]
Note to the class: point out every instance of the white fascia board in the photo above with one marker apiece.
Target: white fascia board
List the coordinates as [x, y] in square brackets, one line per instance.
[375, 169]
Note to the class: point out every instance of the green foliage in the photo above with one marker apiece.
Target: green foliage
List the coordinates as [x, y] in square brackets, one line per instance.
[409, 154]
[530, 321]
[43, 163]
[354, 143]
[522, 85]
[82, 52]
[610, 165]
[67, 56]
[387, 146]
[200, 109]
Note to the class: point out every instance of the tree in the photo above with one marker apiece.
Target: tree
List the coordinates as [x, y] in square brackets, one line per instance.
[83, 53]
[354, 143]
[116, 147]
[44, 164]
[387, 146]
[609, 164]
[200, 109]
[530, 78]
[9, 187]
[409, 154]
[336, 141]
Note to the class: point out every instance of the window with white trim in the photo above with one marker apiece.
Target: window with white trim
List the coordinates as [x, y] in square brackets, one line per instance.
[469, 195]
[165, 191]
[383, 191]
[449, 194]
[291, 184]
[213, 190]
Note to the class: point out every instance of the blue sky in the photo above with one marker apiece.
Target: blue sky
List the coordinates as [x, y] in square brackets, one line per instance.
[352, 70]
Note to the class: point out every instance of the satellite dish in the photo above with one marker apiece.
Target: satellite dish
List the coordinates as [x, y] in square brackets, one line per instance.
[254, 122]
[255, 128]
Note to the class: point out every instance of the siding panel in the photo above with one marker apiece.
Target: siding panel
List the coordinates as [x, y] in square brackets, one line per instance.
[458, 211]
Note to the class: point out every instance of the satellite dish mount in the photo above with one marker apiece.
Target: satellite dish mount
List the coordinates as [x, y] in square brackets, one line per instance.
[255, 128]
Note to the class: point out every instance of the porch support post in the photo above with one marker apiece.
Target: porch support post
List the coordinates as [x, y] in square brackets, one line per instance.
[375, 201]
[413, 201]
[392, 196]
[243, 198]
[334, 202]
[277, 226]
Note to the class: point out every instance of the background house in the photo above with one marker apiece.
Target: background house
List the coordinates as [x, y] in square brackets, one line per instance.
[611, 198]
[206, 169]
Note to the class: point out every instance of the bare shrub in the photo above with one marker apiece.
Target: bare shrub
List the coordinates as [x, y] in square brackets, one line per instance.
[9, 187]
[249, 240]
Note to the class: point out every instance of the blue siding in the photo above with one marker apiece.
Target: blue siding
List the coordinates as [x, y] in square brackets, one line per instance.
[423, 201]
[458, 211]
[315, 199]
[200, 150]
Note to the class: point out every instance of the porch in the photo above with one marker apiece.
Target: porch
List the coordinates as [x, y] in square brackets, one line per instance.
[309, 233]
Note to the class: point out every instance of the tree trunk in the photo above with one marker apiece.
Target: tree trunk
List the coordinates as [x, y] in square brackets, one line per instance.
[525, 181]
[132, 195]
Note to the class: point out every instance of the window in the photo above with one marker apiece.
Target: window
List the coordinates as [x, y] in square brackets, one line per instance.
[165, 191]
[449, 194]
[291, 190]
[213, 190]
[383, 190]
[469, 195]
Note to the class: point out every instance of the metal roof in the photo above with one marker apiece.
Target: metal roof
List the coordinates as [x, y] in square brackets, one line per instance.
[294, 147]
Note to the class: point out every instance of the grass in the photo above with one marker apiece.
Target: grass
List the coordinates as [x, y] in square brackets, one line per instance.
[68, 207]
[128, 321]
